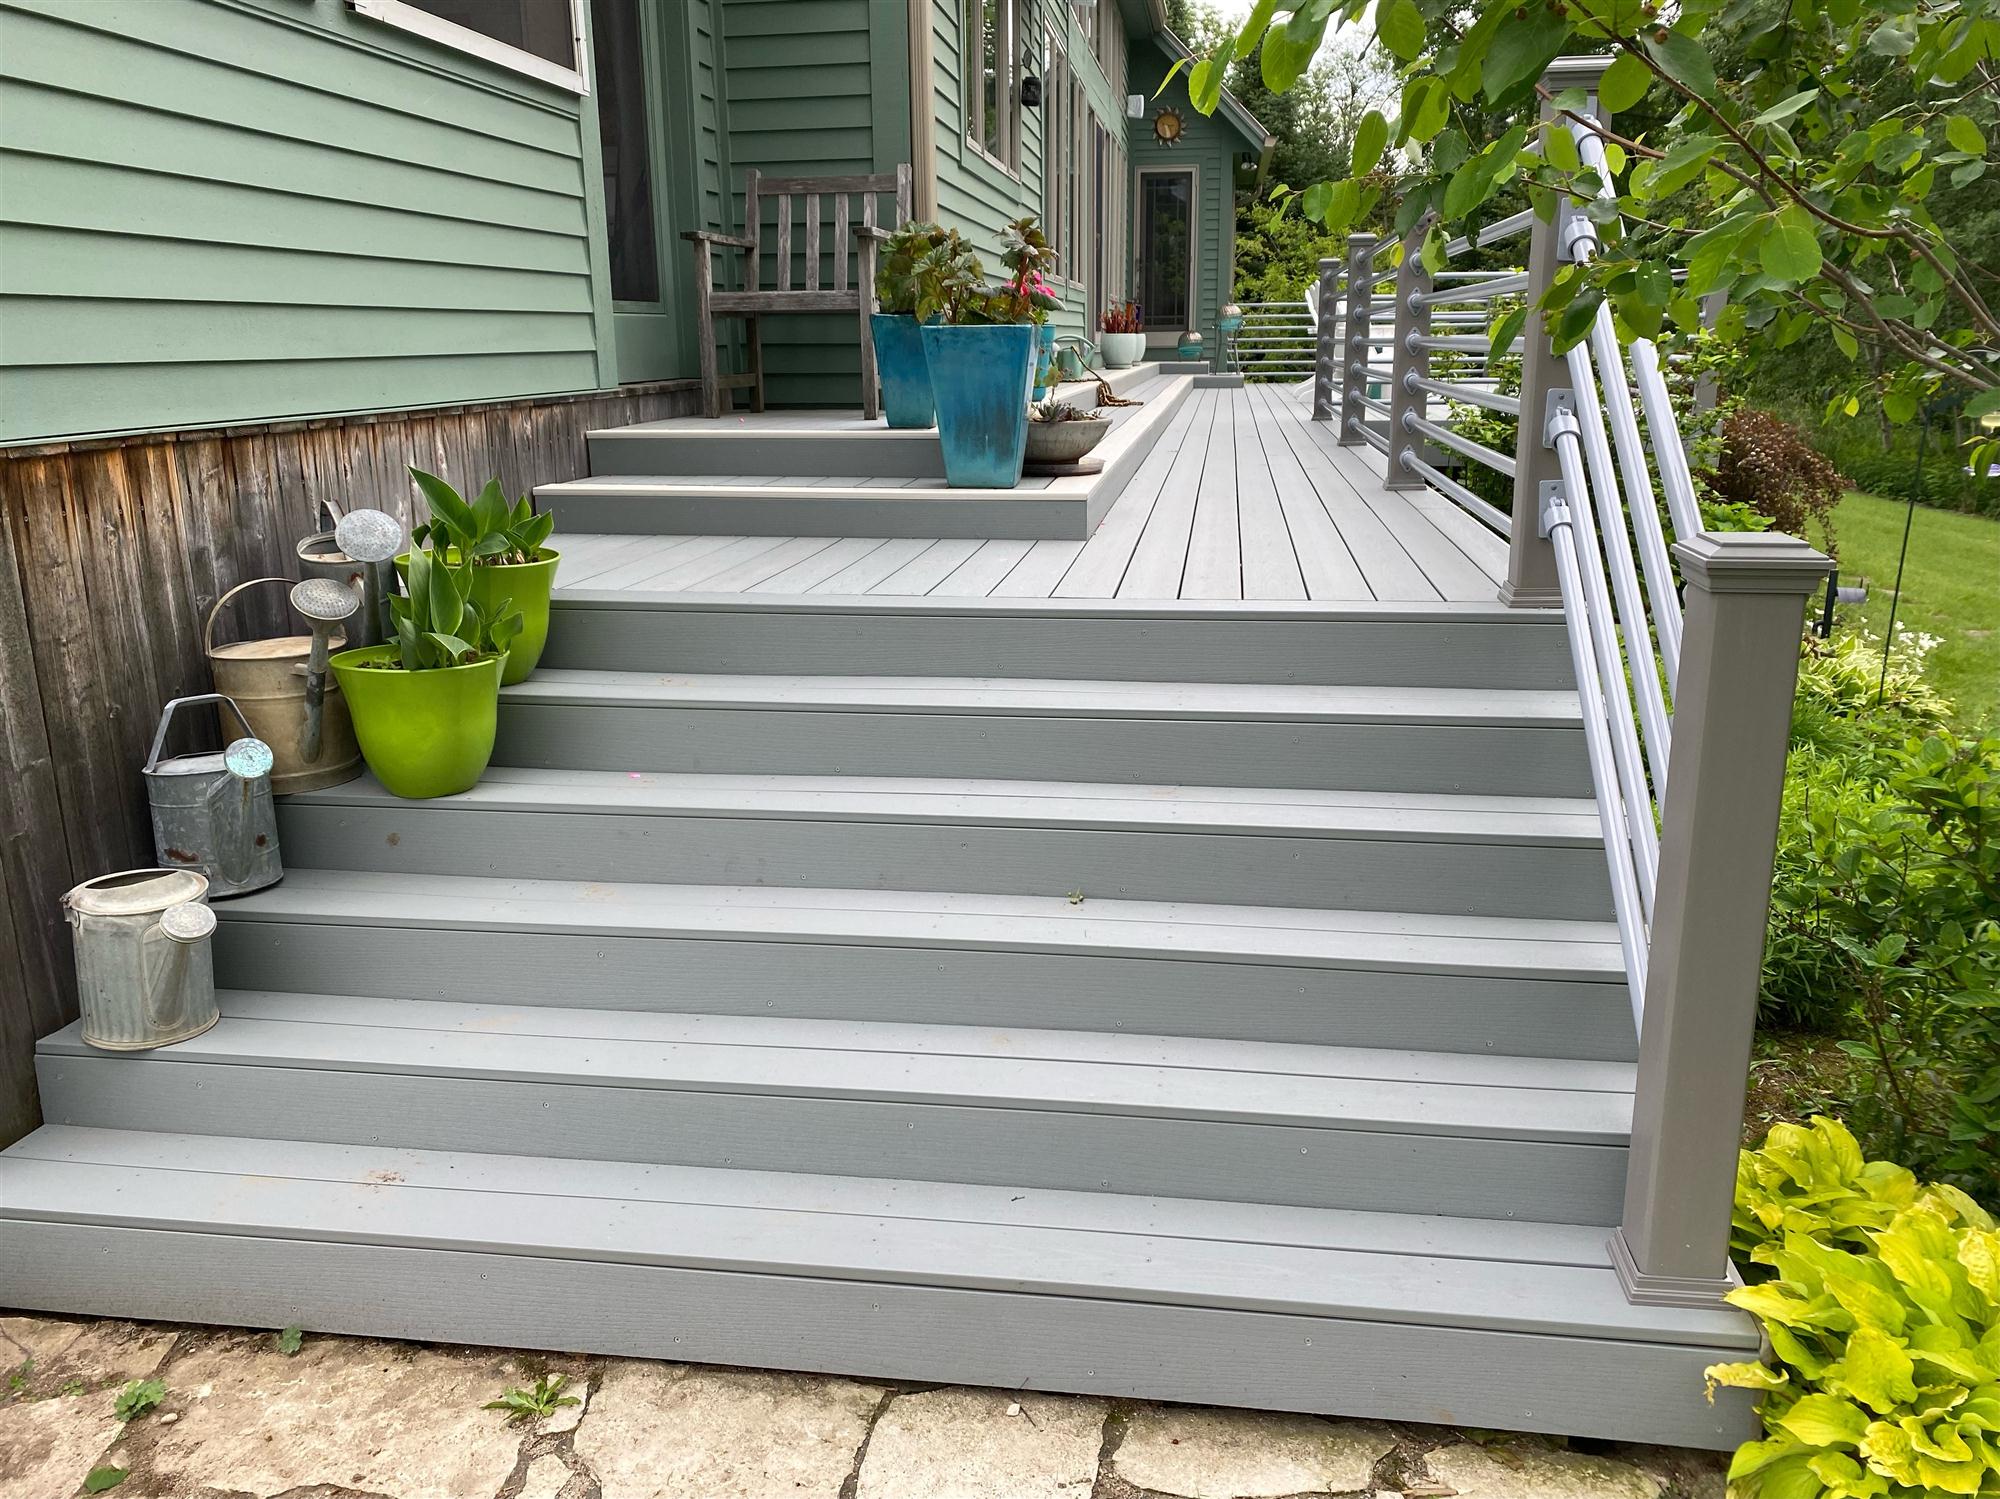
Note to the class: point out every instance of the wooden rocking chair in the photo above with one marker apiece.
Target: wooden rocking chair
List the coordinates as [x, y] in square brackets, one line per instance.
[852, 293]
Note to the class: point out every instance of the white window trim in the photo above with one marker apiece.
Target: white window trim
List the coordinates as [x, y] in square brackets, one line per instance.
[405, 17]
[972, 43]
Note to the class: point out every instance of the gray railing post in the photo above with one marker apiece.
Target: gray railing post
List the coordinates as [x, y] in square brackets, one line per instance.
[1531, 566]
[1326, 346]
[1360, 309]
[1407, 363]
[1746, 598]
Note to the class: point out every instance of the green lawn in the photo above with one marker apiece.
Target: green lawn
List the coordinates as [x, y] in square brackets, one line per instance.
[1951, 588]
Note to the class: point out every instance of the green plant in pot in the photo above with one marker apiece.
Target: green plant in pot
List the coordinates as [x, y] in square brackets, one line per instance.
[426, 705]
[981, 351]
[899, 350]
[507, 547]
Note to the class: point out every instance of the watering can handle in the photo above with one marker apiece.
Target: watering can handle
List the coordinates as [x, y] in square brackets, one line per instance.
[208, 630]
[331, 510]
[167, 716]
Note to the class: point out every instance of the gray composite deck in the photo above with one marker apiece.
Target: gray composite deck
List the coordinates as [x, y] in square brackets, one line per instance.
[1243, 497]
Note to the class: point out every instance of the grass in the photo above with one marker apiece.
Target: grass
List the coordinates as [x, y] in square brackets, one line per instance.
[1951, 589]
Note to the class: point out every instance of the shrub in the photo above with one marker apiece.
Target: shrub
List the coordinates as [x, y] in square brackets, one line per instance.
[1767, 465]
[1881, 1300]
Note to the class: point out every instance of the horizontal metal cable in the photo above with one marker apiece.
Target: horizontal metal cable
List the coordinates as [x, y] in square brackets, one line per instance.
[1478, 452]
[1498, 286]
[1470, 395]
[1506, 228]
[1379, 441]
[1457, 493]
[1463, 343]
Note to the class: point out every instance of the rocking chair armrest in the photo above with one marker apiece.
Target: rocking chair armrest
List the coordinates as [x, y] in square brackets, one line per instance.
[865, 231]
[709, 236]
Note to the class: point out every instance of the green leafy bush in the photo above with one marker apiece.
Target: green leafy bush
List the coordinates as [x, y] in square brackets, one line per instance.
[1881, 1300]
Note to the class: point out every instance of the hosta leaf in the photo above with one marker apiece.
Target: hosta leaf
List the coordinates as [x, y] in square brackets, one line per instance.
[1876, 1371]
[1825, 1421]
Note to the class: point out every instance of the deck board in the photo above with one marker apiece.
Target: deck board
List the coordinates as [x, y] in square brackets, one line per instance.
[1243, 497]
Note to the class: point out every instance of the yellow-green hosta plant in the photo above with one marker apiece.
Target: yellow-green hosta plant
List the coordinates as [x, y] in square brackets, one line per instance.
[1881, 1299]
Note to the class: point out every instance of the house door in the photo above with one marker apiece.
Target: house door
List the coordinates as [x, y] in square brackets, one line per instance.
[1166, 249]
[628, 49]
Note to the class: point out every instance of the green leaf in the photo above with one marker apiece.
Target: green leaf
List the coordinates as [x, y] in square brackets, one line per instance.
[1684, 60]
[1986, 403]
[1370, 136]
[1790, 251]
[291, 1339]
[1401, 26]
[1505, 332]
[1523, 50]
[1964, 135]
[1624, 83]
[1784, 109]
[1876, 1371]
[1559, 147]
[101, 1479]
[1205, 85]
[138, 1397]
[1686, 160]
[446, 506]
[442, 605]
[1431, 111]
[1821, 1420]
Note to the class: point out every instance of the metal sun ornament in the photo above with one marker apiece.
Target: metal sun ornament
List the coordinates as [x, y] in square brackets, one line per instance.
[1168, 126]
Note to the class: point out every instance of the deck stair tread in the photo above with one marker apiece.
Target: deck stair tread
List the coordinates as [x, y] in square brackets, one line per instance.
[1057, 697]
[1511, 946]
[1270, 812]
[1331, 1088]
[1473, 1274]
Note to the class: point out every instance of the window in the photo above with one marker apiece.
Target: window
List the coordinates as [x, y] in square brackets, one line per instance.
[541, 38]
[1055, 152]
[993, 71]
[1166, 249]
[616, 45]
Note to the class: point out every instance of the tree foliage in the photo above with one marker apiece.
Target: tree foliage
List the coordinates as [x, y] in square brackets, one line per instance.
[1784, 159]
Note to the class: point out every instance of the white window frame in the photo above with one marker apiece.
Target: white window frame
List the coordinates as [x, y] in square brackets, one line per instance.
[406, 17]
[1007, 93]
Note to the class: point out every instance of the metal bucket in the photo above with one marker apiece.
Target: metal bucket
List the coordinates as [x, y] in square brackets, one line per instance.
[265, 681]
[145, 975]
[320, 556]
[212, 813]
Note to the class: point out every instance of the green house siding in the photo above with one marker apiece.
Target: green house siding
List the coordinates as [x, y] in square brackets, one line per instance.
[230, 210]
[814, 88]
[1212, 147]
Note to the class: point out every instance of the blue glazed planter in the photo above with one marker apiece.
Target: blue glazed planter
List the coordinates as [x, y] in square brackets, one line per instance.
[1045, 360]
[979, 378]
[906, 374]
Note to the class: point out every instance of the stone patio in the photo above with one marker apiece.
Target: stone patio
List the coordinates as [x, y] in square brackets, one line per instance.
[344, 1418]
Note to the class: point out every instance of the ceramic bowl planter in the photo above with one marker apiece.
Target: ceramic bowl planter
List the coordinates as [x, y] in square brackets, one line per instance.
[424, 733]
[906, 374]
[979, 376]
[528, 584]
[1122, 350]
[1058, 444]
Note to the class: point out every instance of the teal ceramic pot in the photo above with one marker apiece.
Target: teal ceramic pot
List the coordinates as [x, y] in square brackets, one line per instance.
[979, 378]
[906, 374]
[1045, 360]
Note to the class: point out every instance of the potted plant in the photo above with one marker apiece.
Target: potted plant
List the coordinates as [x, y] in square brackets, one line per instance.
[979, 341]
[899, 352]
[1124, 335]
[1059, 434]
[1028, 258]
[506, 546]
[426, 705]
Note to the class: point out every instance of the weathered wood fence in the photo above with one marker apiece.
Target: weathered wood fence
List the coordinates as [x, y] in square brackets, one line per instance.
[111, 554]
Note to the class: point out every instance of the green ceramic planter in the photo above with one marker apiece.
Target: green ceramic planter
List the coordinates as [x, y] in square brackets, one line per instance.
[528, 585]
[423, 733]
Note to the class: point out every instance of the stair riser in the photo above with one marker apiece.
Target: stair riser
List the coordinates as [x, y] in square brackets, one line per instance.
[873, 455]
[731, 510]
[1473, 759]
[1451, 878]
[1055, 1147]
[1526, 1016]
[960, 643]
[1569, 1385]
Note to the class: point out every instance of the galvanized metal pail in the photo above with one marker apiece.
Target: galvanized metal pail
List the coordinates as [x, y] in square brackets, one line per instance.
[266, 681]
[209, 815]
[145, 975]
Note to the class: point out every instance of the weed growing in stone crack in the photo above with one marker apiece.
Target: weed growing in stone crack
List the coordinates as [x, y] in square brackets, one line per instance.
[17, 1382]
[290, 1340]
[543, 1398]
[138, 1397]
[103, 1478]
[73, 1387]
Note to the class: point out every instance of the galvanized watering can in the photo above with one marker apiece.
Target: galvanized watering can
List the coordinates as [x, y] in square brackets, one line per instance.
[267, 679]
[145, 975]
[212, 813]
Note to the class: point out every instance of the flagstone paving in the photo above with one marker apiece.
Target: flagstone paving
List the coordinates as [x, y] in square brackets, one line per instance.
[358, 1418]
